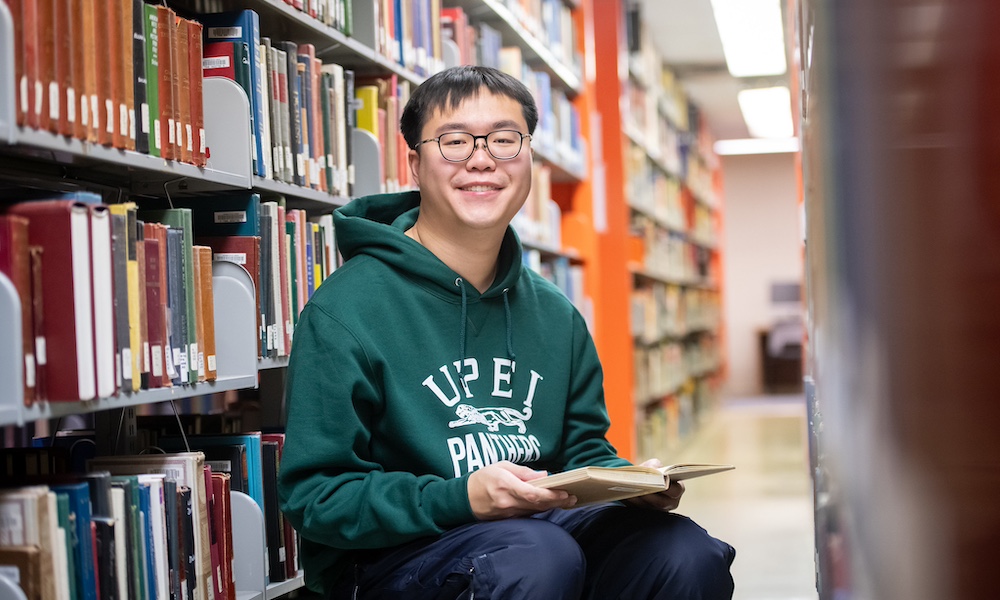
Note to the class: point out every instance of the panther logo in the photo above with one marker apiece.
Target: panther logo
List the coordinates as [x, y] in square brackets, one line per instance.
[493, 418]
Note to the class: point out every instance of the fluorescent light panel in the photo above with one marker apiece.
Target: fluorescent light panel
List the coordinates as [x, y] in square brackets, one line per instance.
[767, 112]
[757, 146]
[752, 37]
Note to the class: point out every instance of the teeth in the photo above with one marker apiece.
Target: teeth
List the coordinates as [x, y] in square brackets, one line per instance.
[480, 188]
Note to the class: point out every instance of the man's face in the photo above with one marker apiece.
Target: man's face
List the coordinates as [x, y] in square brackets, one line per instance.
[482, 193]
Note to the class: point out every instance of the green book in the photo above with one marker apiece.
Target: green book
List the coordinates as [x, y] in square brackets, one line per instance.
[133, 543]
[67, 525]
[152, 77]
[180, 218]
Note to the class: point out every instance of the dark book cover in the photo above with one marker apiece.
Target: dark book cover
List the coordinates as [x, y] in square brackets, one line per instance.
[265, 291]
[177, 306]
[104, 544]
[352, 122]
[142, 125]
[174, 546]
[294, 111]
[274, 526]
[120, 243]
[305, 67]
[188, 556]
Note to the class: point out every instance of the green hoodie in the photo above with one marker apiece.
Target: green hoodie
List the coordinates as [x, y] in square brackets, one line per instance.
[404, 379]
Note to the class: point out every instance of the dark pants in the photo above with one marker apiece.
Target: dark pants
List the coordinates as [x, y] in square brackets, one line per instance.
[600, 552]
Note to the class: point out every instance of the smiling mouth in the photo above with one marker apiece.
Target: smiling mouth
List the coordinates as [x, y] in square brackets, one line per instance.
[480, 188]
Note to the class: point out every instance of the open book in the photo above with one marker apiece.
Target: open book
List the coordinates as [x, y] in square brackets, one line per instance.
[604, 484]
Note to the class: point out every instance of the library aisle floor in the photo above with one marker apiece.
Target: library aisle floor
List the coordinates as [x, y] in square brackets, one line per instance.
[764, 507]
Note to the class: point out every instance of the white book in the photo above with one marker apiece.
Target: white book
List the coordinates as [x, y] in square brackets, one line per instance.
[103, 300]
[121, 535]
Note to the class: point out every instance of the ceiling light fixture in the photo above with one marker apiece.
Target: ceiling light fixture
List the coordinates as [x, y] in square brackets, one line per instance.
[767, 112]
[752, 36]
[757, 146]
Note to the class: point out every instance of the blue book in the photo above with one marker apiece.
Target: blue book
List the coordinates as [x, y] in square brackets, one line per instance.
[243, 25]
[146, 523]
[78, 495]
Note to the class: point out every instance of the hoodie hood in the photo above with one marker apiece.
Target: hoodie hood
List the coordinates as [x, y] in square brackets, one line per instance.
[376, 226]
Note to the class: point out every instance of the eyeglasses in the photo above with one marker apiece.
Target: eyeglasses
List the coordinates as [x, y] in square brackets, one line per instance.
[459, 146]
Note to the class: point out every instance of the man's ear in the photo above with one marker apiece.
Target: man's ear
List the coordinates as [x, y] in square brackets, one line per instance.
[413, 159]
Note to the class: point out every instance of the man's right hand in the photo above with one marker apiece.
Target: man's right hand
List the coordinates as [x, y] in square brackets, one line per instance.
[500, 490]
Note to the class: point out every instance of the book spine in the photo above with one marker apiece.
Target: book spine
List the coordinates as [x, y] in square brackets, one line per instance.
[152, 77]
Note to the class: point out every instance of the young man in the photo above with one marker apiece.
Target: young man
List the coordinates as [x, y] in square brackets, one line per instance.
[433, 377]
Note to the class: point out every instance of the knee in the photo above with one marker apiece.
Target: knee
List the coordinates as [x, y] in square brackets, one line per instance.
[538, 560]
[689, 562]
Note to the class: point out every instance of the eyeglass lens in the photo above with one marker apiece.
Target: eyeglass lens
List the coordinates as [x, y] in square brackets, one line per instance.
[459, 146]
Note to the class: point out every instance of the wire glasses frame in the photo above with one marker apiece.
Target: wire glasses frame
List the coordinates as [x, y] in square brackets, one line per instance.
[459, 146]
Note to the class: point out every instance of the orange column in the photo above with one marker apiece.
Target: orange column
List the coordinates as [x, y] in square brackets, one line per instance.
[613, 281]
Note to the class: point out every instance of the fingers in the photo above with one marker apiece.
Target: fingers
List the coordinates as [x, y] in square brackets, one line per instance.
[501, 490]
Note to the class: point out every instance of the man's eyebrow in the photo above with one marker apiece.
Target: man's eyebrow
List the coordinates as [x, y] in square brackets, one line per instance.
[456, 126]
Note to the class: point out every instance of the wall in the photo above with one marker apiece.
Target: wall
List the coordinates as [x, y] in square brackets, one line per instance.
[761, 244]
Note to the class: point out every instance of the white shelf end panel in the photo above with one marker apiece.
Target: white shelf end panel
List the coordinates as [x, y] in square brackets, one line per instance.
[11, 359]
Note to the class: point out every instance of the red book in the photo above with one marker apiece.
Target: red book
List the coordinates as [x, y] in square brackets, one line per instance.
[30, 63]
[128, 120]
[77, 100]
[61, 228]
[113, 64]
[242, 250]
[106, 71]
[165, 51]
[223, 528]
[46, 103]
[158, 232]
[182, 90]
[15, 263]
[219, 60]
[65, 29]
[93, 113]
[17, 16]
[155, 315]
[286, 291]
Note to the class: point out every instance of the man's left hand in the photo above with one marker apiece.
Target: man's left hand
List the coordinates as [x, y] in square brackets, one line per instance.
[665, 501]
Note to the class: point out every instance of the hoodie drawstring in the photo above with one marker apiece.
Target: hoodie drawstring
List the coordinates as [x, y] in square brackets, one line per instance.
[506, 311]
[510, 326]
[461, 334]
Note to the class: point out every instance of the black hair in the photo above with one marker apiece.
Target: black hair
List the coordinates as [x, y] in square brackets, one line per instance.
[449, 88]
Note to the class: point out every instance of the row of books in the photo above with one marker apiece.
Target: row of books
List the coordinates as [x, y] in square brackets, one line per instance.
[113, 300]
[380, 102]
[549, 22]
[558, 130]
[408, 32]
[300, 114]
[666, 368]
[287, 253]
[151, 526]
[120, 73]
[661, 311]
[670, 254]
